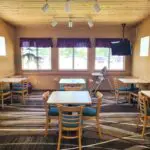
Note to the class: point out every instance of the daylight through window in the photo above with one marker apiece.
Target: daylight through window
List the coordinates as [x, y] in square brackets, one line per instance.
[2, 46]
[103, 57]
[34, 58]
[73, 58]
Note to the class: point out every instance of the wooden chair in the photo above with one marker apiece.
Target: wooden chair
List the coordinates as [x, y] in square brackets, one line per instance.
[5, 93]
[119, 90]
[133, 95]
[51, 112]
[144, 115]
[20, 89]
[70, 120]
[93, 111]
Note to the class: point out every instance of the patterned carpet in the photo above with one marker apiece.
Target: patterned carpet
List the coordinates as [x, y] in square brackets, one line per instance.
[22, 127]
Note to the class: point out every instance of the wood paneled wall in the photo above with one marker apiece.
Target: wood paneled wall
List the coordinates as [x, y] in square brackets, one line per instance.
[141, 65]
[7, 66]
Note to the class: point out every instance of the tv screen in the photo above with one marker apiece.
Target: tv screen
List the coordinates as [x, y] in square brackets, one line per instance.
[121, 48]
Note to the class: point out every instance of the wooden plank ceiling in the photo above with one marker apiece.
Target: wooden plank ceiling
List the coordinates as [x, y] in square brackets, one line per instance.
[26, 12]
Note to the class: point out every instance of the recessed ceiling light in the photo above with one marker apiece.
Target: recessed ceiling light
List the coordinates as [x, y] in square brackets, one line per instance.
[67, 6]
[96, 7]
[45, 7]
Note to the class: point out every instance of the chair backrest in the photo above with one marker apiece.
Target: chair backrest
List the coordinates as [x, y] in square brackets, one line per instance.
[4, 86]
[1, 86]
[70, 117]
[116, 84]
[73, 88]
[104, 70]
[45, 98]
[99, 96]
[25, 83]
[143, 104]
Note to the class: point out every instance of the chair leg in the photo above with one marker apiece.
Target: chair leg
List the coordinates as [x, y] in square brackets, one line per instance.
[2, 103]
[47, 125]
[138, 121]
[117, 97]
[98, 127]
[144, 126]
[59, 140]
[11, 98]
[129, 98]
[80, 143]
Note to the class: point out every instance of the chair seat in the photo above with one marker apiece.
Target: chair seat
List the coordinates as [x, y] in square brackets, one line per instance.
[16, 85]
[122, 89]
[88, 111]
[128, 89]
[18, 89]
[4, 91]
[53, 111]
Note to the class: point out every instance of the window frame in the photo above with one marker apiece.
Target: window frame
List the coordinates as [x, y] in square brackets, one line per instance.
[73, 58]
[142, 49]
[37, 70]
[5, 49]
[110, 70]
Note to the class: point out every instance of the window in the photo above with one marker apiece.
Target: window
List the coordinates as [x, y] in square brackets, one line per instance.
[73, 58]
[34, 58]
[103, 57]
[2, 46]
[144, 46]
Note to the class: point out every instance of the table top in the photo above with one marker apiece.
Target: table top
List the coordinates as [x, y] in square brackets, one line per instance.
[133, 80]
[69, 97]
[12, 80]
[146, 93]
[72, 81]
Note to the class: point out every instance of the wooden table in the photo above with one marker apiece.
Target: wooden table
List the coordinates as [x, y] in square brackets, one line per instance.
[146, 93]
[12, 80]
[72, 81]
[69, 97]
[133, 81]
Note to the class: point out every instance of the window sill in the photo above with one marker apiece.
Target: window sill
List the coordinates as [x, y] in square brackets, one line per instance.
[59, 73]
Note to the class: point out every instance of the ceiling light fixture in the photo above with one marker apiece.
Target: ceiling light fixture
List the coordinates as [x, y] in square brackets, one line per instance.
[90, 23]
[96, 7]
[70, 24]
[54, 23]
[45, 7]
[67, 6]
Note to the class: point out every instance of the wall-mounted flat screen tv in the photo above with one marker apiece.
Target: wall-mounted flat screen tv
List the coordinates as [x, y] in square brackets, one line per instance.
[122, 47]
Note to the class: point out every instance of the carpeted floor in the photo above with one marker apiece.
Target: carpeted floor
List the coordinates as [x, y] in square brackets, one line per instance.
[22, 127]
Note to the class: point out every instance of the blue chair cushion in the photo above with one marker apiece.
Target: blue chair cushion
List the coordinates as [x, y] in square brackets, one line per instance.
[129, 88]
[18, 88]
[17, 85]
[122, 89]
[88, 111]
[72, 122]
[53, 111]
[148, 111]
[4, 91]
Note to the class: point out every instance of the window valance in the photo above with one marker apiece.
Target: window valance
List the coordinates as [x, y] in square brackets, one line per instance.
[73, 42]
[36, 42]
